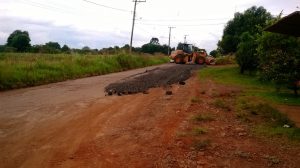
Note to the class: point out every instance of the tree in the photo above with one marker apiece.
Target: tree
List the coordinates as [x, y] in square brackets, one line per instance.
[249, 21]
[51, 47]
[2, 48]
[126, 47]
[19, 40]
[214, 53]
[151, 48]
[36, 48]
[154, 47]
[154, 41]
[87, 49]
[65, 49]
[246, 53]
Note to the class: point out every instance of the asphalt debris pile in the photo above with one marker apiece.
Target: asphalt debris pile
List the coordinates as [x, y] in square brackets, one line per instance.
[157, 77]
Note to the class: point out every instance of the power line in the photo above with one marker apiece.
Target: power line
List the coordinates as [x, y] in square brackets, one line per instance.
[183, 20]
[208, 24]
[43, 6]
[105, 6]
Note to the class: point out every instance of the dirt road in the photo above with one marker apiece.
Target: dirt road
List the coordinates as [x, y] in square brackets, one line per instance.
[72, 123]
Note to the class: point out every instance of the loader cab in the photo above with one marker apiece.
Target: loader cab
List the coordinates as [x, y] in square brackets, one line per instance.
[187, 48]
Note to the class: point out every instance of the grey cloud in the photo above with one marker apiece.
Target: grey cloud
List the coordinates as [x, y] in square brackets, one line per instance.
[44, 31]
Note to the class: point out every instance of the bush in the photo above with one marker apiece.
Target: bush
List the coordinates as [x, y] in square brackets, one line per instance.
[224, 60]
[246, 53]
[279, 59]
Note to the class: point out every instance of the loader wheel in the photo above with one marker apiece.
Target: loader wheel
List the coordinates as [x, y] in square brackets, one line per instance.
[200, 61]
[179, 59]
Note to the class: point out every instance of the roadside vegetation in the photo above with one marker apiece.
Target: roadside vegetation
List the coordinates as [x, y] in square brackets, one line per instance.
[266, 72]
[225, 60]
[250, 84]
[23, 64]
[28, 69]
[268, 56]
[255, 104]
[268, 120]
[203, 117]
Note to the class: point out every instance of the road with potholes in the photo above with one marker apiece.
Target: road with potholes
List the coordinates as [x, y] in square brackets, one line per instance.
[73, 123]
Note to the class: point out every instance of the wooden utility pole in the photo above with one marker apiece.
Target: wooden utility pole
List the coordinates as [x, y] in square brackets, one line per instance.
[133, 22]
[170, 29]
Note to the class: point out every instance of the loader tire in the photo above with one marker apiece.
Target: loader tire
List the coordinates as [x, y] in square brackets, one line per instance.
[178, 59]
[200, 61]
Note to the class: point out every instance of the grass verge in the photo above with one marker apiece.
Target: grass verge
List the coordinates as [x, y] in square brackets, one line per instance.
[253, 105]
[229, 75]
[26, 69]
[267, 120]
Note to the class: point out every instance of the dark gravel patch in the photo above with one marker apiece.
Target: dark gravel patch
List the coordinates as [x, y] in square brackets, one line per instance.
[157, 77]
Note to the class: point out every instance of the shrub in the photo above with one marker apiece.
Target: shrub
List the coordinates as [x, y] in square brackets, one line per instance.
[246, 53]
[279, 59]
[224, 60]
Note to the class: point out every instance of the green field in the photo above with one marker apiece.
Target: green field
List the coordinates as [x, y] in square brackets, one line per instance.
[25, 69]
[250, 84]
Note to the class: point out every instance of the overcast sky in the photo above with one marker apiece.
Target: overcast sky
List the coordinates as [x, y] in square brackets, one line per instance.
[105, 23]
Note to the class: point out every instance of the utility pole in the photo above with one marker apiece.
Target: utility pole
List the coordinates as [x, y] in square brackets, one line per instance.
[185, 38]
[170, 29]
[133, 21]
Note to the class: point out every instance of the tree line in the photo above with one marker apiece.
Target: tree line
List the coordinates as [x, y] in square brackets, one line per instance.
[19, 41]
[273, 57]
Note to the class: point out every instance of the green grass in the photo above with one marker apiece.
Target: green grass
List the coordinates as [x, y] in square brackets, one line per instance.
[220, 103]
[203, 117]
[268, 121]
[229, 75]
[267, 113]
[196, 100]
[27, 69]
[278, 131]
[199, 131]
[224, 60]
[253, 104]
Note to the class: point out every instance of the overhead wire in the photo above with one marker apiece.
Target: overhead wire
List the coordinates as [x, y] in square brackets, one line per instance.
[183, 20]
[180, 25]
[63, 10]
[45, 6]
[146, 22]
[59, 8]
[106, 6]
